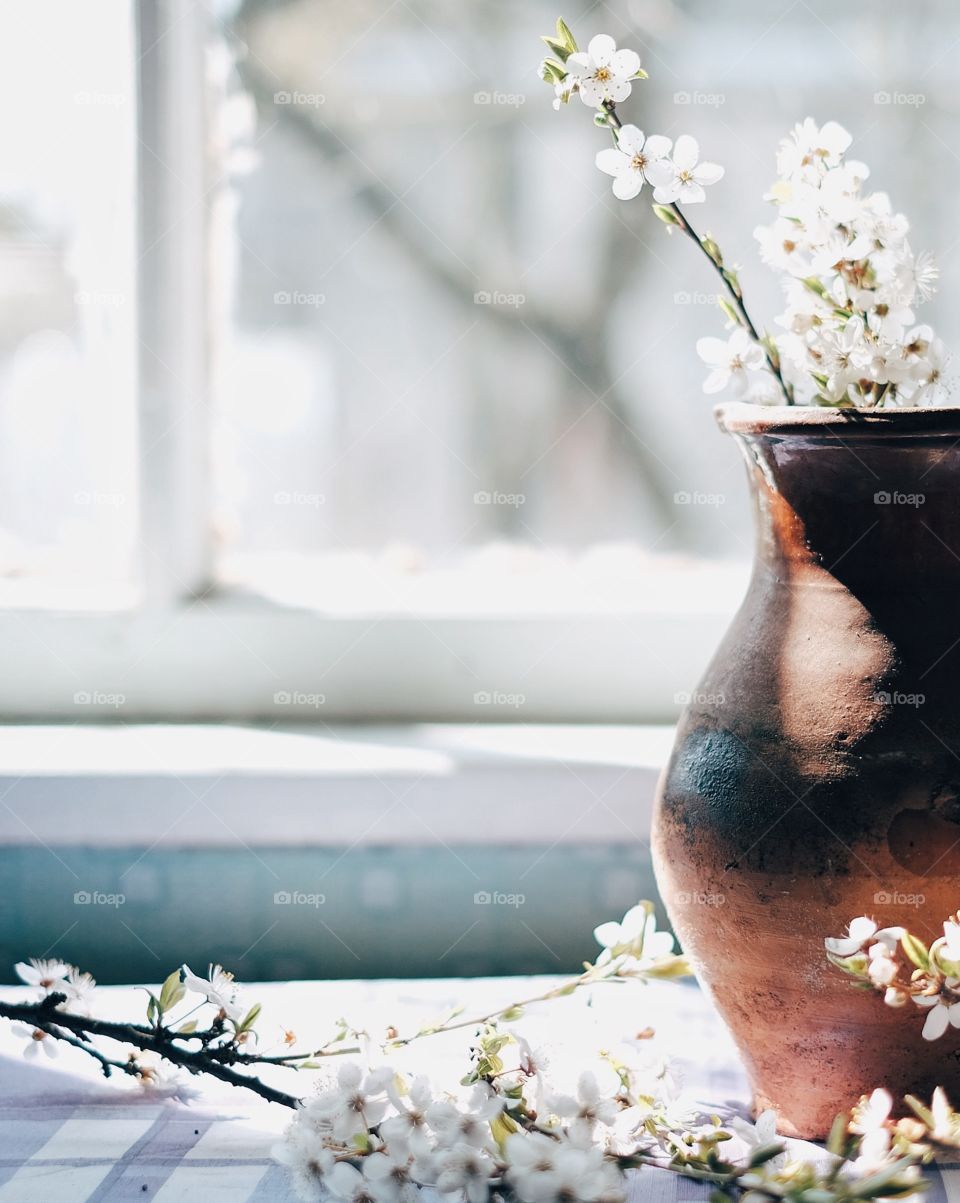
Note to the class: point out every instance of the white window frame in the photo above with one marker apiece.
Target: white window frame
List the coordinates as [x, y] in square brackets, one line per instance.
[195, 650]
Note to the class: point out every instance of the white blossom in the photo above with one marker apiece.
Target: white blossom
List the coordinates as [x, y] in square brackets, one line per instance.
[756, 1135]
[635, 935]
[217, 987]
[634, 160]
[410, 1123]
[602, 73]
[943, 1011]
[589, 1107]
[46, 974]
[855, 280]
[37, 1040]
[307, 1161]
[686, 177]
[464, 1167]
[730, 360]
[470, 1127]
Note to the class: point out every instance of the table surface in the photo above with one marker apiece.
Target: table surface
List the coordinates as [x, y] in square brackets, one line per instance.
[69, 1136]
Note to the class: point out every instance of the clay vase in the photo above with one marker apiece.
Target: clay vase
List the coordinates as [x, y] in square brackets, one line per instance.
[816, 775]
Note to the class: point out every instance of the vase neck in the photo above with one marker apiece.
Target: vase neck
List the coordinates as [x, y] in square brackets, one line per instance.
[875, 511]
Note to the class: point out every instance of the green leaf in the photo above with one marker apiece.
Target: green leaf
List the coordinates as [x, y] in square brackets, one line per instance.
[916, 950]
[565, 35]
[512, 1013]
[838, 1136]
[171, 992]
[666, 215]
[502, 1126]
[250, 1018]
[560, 49]
[552, 72]
[713, 251]
[187, 1028]
[669, 967]
[153, 1009]
[728, 310]
[765, 1153]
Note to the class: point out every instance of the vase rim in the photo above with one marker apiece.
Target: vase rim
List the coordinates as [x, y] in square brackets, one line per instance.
[742, 417]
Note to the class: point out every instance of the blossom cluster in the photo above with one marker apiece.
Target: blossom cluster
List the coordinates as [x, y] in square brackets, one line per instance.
[602, 76]
[849, 336]
[852, 281]
[561, 1121]
[903, 969]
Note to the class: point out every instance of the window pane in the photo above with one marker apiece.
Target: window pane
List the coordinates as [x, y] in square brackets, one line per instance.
[67, 304]
[446, 332]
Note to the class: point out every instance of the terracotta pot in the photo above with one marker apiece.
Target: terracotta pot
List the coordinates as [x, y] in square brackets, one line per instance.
[816, 776]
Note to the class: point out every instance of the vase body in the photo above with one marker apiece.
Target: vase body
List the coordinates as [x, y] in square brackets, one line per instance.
[816, 775]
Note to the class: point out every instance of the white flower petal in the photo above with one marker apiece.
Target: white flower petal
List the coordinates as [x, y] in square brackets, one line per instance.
[691, 193]
[714, 351]
[618, 90]
[592, 93]
[863, 927]
[578, 65]
[936, 1024]
[708, 173]
[607, 934]
[613, 161]
[625, 63]
[630, 139]
[601, 49]
[659, 172]
[686, 152]
[716, 380]
[658, 146]
[667, 193]
[628, 185]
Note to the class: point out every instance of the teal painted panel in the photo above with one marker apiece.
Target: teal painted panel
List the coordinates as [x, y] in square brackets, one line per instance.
[131, 915]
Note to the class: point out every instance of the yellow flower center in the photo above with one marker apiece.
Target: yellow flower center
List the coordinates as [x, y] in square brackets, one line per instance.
[603, 74]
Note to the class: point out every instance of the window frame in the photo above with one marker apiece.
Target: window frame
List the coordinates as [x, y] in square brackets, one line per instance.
[195, 649]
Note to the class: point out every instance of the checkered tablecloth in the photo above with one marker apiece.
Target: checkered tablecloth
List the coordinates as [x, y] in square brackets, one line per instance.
[69, 1136]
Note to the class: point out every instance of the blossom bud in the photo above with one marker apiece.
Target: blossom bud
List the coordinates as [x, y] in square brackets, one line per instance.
[894, 997]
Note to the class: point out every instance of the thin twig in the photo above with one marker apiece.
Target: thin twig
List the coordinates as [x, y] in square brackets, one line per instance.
[731, 285]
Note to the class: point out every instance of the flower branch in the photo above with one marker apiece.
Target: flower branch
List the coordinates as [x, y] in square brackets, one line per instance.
[511, 1128]
[848, 336]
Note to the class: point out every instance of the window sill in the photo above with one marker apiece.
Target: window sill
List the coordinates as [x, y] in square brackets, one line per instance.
[209, 786]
